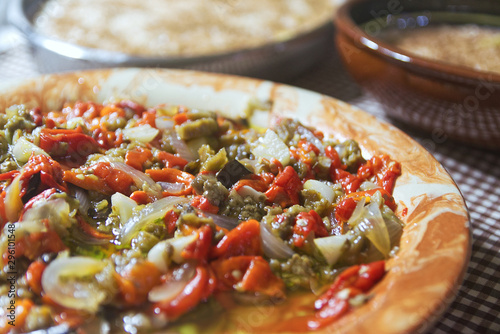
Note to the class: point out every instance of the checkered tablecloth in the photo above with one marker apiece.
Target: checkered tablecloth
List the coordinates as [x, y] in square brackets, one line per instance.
[477, 305]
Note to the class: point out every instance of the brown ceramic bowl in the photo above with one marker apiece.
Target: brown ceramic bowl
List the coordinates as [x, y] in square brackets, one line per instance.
[448, 101]
[423, 277]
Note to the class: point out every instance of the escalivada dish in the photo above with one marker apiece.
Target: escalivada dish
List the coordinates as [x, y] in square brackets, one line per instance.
[139, 201]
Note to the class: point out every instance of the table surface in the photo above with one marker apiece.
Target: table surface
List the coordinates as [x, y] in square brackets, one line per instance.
[476, 308]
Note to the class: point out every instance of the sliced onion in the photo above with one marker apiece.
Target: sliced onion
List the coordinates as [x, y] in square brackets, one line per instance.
[172, 288]
[322, 188]
[83, 200]
[141, 180]
[172, 188]
[142, 133]
[23, 149]
[259, 119]
[149, 213]
[310, 137]
[331, 247]
[273, 246]
[245, 191]
[394, 225]
[166, 291]
[181, 147]
[271, 146]
[374, 228]
[13, 198]
[222, 221]
[58, 285]
[368, 185]
[27, 227]
[357, 214]
[251, 165]
[170, 250]
[164, 123]
[55, 210]
[124, 206]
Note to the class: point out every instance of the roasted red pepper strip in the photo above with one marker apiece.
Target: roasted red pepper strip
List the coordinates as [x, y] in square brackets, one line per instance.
[43, 196]
[50, 171]
[91, 231]
[305, 223]
[34, 276]
[350, 182]
[199, 249]
[39, 173]
[204, 204]
[249, 274]
[141, 197]
[9, 175]
[148, 117]
[106, 139]
[104, 179]
[137, 157]
[37, 116]
[196, 290]
[171, 160]
[331, 153]
[259, 182]
[117, 180]
[354, 280]
[383, 168]
[303, 152]
[88, 182]
[346, 207]
[135, 281]
[33, 245]
[344, 210]
[68, 144]
[180, 118]
[171, 221]
[344, 280]
[172, 175]
[259, 278]
[285, 188]
[243, 240]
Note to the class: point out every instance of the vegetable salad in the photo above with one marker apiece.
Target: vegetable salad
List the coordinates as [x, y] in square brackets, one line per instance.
[117, 211]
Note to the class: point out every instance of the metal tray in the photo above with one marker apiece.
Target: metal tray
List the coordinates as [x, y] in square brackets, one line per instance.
[277, 61]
